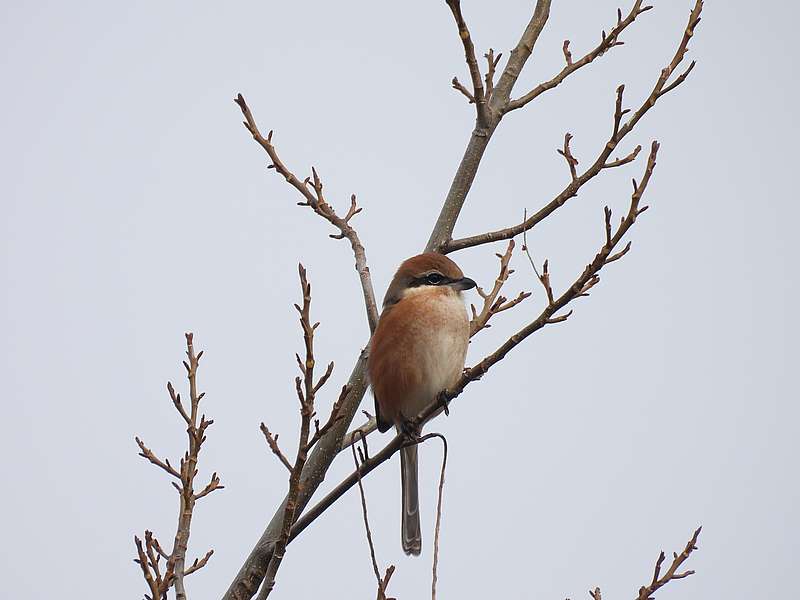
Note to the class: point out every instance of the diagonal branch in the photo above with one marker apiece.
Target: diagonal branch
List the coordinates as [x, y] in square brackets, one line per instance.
[311, 190]
[606, 43]
[646, 592]
[581, 286]
[479, 140]
[493, 302]
[587, 279]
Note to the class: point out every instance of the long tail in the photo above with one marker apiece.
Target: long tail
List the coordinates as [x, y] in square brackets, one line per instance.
[411, 530]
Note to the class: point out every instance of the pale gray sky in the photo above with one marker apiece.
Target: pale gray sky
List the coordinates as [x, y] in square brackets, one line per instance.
[135, 207]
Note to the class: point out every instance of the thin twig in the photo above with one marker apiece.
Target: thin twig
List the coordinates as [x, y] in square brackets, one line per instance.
[672, 573]
[588, 279]
[148, 557]
[311, 190]
[493, 302]
[606, 43]
[477, 95]
[379, 580]
[437, 529]
[272, 441]
[491, 67]
[307, 388]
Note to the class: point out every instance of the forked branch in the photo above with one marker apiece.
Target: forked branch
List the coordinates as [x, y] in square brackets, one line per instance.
[647, 592]
[493, 302]
[477, 96]
[620, 129]
[306, 388]
[312, 191]
[607, 42]
[160, 578]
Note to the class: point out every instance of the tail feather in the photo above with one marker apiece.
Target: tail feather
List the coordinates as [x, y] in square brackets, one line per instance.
[410, 530]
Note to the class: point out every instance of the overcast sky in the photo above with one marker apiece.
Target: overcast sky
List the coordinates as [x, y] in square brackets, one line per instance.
[135, 207]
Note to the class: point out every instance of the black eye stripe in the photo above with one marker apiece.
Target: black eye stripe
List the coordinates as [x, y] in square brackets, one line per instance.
[434, 278]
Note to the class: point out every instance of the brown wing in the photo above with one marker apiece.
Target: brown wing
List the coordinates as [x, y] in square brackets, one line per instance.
[392, 371]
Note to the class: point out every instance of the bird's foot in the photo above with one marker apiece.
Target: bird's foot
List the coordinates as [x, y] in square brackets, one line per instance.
[443, 400]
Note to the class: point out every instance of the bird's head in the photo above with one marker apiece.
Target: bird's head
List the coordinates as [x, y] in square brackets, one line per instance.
[427, 273]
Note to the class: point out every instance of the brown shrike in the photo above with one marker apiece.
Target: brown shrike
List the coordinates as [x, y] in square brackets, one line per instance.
[418, 350]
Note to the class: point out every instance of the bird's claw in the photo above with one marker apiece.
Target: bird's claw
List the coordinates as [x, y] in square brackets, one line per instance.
[444, 401]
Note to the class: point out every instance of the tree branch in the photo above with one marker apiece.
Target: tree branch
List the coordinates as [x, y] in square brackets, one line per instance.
[252, 571]
[307, 388]
[619, 131]
[148, 557]
[646, 592]
[479, 140]
[477, 96]
[311, 190]
[579, 288]
[493, 302]
[606, 43]
[587, 279]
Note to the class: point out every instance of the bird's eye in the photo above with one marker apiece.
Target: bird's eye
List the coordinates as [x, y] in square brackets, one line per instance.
[434, 279]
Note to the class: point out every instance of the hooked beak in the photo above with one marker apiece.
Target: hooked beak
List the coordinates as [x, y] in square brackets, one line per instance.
[465, 283]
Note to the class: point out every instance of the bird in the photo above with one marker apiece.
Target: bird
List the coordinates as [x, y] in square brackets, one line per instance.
[418, 350]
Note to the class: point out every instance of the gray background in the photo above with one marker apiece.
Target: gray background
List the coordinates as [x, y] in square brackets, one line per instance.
[135, 207]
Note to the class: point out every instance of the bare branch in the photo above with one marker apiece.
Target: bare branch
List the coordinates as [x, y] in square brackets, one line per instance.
[360, 432]
[199, 563]
[477, 95]
[149, 455]
[618, 162]
[212, 486]
[572, 162]
[437, 529]
[336, 414]
[381, 586]
[307, 390]
[467, 169]
[659, 581]
[579, 288]
[197, 424]
[313, 193]
[252, 572]
[272, 441]
[491, 67]
[567, 53]
[493, 302]
[620, 131]
[457, 85]
[606, 43]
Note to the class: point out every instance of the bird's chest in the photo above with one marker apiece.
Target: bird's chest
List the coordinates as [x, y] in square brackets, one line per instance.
[437, 343]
